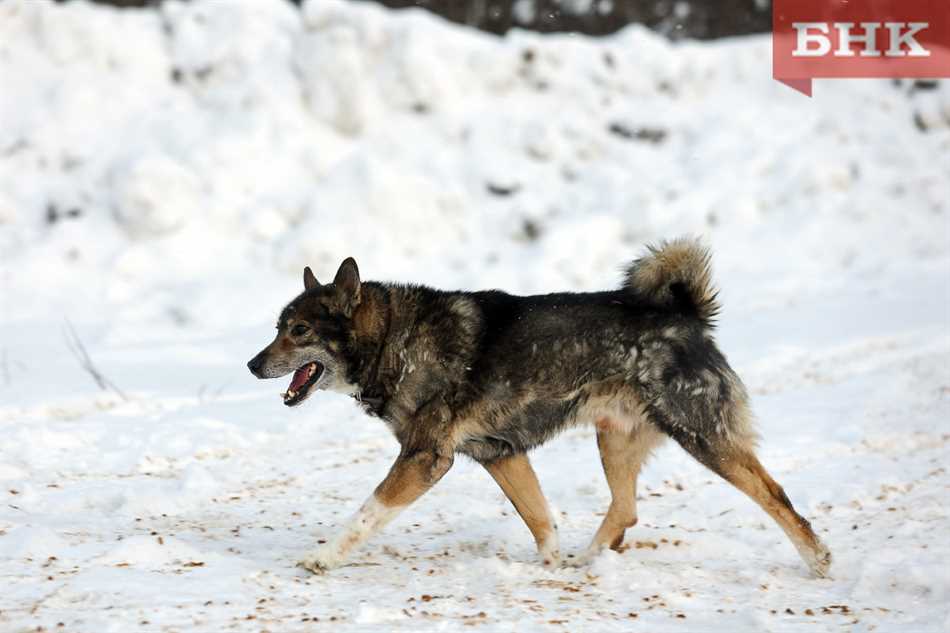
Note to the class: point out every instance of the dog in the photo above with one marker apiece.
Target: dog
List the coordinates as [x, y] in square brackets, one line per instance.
[490, 375]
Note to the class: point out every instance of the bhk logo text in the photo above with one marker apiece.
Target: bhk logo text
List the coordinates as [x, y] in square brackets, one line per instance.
[848, 39]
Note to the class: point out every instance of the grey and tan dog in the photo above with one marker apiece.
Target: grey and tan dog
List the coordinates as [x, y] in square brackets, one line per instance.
[491, 376]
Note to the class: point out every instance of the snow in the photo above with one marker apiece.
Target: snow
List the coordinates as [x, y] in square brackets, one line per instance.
[165, 176]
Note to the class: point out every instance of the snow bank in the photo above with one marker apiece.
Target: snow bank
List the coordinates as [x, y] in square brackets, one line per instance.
[214, 139]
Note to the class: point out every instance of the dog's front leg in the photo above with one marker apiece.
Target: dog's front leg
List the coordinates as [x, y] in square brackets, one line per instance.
[413, 473]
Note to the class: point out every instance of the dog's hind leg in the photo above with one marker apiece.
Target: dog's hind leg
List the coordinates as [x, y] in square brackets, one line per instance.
[743, 470]
[622, 454]
[412, 475]
[738, 465]
[517, 479]
[692, 395]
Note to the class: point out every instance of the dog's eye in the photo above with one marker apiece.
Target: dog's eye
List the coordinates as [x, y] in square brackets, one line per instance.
[300, 330]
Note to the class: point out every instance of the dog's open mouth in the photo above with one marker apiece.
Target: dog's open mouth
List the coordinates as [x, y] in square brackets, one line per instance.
[303, 381]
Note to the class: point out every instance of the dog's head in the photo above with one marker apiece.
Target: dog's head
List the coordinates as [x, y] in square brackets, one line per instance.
[312, 334]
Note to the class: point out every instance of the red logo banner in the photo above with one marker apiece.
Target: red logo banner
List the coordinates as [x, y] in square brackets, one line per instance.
[859, 38]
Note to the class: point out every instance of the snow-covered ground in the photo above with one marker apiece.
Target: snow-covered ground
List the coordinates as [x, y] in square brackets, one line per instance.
[165, 176]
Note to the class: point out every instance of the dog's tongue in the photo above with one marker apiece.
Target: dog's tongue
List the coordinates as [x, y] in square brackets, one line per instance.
[300, 378]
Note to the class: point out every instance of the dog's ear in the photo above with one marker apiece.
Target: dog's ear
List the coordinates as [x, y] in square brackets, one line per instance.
[347, 282]
[309, 280]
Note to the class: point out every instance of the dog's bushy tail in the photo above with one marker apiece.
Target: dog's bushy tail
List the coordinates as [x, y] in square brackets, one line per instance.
[676, 275]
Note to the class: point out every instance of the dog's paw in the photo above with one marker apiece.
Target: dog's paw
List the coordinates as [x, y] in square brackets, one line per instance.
[819, 561]
[551, 560]
[550, 556]
[319, 561]
[584, 559]
[313, 565]
[584, 563]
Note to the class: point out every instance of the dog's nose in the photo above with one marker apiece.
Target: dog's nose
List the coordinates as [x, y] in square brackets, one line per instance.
[256, 364]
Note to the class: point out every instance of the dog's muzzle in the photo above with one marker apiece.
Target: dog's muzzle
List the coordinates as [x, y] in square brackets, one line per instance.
[256, 365]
